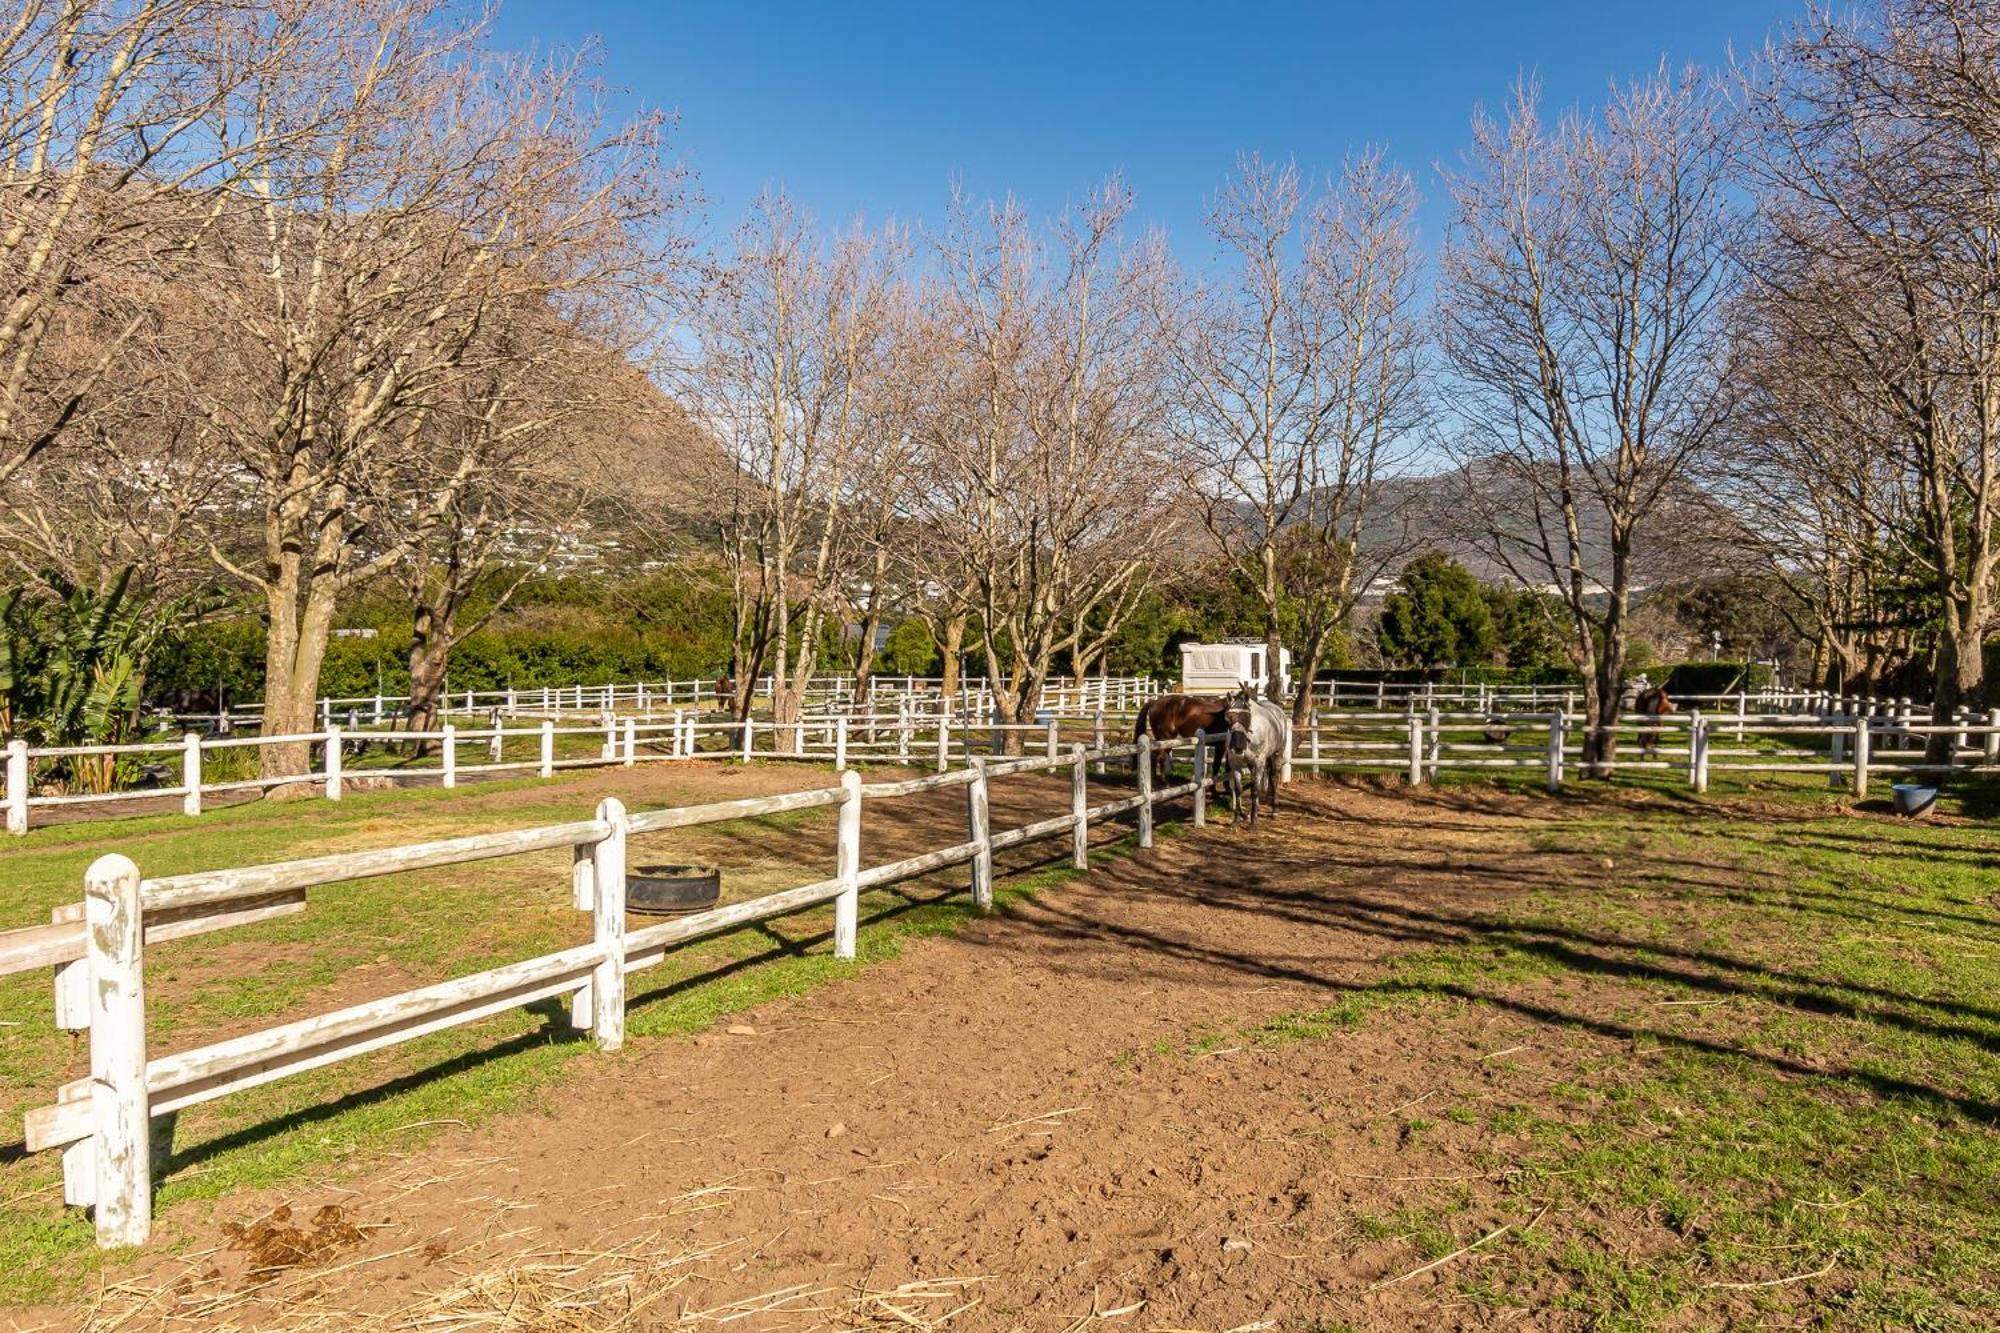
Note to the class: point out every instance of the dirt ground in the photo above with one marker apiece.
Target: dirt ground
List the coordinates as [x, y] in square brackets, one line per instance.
[1051, 1120]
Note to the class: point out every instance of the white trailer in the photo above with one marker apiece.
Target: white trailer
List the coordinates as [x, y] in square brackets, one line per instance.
[1217, 668]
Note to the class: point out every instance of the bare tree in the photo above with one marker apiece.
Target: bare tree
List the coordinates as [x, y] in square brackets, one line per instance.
[352, 271]
[791, 340]
[1878, 156]
[1295, 387]
[1050, 479]
[1584, 290]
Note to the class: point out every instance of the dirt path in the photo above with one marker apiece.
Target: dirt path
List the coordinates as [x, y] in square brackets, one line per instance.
[1052, 1115]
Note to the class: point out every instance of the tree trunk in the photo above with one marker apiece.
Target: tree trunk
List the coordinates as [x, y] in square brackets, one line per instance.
[953, 647]
[430, 656]
[1956, 681]
[295, 647]
[1274, 681]
[1600, 746]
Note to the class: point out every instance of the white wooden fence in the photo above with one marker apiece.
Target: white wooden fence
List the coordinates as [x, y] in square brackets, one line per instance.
[109, 1126]
[905, 733]
[972, 697]
[1798, 733]
[1695, 744]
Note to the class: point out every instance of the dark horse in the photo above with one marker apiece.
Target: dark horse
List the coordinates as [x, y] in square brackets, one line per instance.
[1177, 717]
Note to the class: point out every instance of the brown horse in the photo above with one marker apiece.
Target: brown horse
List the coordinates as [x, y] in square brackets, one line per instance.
[1651, 702]
[1176, 717]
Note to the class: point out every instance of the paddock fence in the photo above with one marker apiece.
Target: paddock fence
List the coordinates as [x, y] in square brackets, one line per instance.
[113, 1125]
[1847, 738]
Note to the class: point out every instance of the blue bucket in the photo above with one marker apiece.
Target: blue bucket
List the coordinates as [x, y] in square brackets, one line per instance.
[1913, 798]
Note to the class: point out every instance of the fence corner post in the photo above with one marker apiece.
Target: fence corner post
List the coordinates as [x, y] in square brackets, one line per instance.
[191, 773]
[547, 767]
[1079, 808]
[333, 776]
[1144, 762]
[1416, 748]
[978, 833]
[121, 1122]
[17, 786]
[847, 863]
[607, 920]
[840, 745]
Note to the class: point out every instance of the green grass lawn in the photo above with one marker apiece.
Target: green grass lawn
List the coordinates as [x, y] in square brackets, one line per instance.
[1783, 1104]
[377, 937]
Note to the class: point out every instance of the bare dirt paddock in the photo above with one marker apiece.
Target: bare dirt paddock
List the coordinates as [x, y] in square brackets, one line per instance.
[1391, 1062]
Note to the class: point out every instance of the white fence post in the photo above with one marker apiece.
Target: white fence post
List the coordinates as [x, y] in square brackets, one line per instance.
[847, 863]
[1861, 747]
[631, 741]
[496, 744]
[977, 832]
[1054, 743]
[1079, 809]
[121, 1123]
[944, 741]
[1416, 749]
[840, 741]
[333, 763]
[749, 738]
[1993, 736]
[1097, 736]
[1558, 732]
[1837, 757]
[1200, 779]
[17, 786]
[191, 774]
[607, 920]
[1698, 753]
[548, 758]
[1742, 707]
[1435, 746]
[450, 755]
[1144, 760]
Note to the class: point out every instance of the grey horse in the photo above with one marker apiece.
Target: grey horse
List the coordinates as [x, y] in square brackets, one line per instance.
[1260, 736]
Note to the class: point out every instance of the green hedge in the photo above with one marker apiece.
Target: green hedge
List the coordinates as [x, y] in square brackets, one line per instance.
[1480, 675]
[194, 662]
[1717, 677]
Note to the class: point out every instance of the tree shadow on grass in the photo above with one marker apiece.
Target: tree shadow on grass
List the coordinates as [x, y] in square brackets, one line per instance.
[882, 905]
[1063, 922]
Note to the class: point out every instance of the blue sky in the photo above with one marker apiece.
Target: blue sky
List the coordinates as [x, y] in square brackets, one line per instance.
[871, 109]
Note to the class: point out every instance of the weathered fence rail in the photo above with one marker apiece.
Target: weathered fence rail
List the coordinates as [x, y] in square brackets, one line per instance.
[110, 1125]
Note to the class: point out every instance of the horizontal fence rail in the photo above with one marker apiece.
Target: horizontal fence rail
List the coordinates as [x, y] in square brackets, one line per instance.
[107, 1125]
[973, 694]
[1789, 732]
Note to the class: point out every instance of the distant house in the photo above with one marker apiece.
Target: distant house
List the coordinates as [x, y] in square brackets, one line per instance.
[1216, 668]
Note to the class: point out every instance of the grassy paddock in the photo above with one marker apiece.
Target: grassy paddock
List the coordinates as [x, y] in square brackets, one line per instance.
[1778, 1039]
[380, 936]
